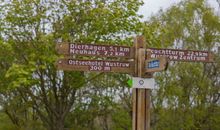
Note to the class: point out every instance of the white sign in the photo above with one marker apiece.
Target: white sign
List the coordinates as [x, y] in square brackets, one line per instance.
[147, 83]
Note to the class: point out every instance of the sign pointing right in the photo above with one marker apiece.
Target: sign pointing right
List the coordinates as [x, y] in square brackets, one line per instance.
[180, 55]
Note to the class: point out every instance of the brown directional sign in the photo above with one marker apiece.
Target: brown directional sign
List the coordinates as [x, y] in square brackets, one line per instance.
[156, 65]
[180, 55]
[95, 50]
[95, 65]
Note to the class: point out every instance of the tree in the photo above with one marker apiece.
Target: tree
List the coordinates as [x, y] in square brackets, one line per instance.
[31, 29]
[188, 93]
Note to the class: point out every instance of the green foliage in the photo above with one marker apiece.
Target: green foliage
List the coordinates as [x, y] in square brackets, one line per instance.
[29, 31]
[95, 21]
[188, 93]
[122, 119]
[6, 122]
[38, 96]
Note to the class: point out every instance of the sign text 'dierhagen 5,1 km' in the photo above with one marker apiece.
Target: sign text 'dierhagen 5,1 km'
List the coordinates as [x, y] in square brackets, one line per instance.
[95, 65]
[95, 50]
[180, 55]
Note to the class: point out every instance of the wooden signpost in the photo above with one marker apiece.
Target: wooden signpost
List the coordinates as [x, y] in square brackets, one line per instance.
[145, 63]
[140, 96]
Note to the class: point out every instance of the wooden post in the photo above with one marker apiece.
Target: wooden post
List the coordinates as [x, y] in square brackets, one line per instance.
[140, 96]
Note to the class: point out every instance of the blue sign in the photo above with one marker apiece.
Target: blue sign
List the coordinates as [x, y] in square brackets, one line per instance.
[153, 64]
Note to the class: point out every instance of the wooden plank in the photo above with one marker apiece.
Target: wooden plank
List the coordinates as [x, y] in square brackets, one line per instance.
[140, 107]
[141, 97]
[139, 42]
[95, 65]
[141, 62]
[180, 55]
[147, 111]
[141, 110]
[134, 108]
[62, 48]
[95, 50]
[211, 57]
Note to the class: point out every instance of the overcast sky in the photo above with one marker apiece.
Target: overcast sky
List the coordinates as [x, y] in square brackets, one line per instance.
[153, 6]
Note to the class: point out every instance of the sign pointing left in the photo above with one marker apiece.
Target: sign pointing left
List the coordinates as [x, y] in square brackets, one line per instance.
[95, 50]
[95, 65]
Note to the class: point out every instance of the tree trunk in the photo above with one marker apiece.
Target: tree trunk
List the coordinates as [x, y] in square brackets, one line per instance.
[58, 124]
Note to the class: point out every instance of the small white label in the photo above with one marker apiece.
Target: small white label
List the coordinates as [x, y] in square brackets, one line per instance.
[143, 83]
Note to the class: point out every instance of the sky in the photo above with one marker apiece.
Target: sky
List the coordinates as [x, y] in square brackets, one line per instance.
[153, 6]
